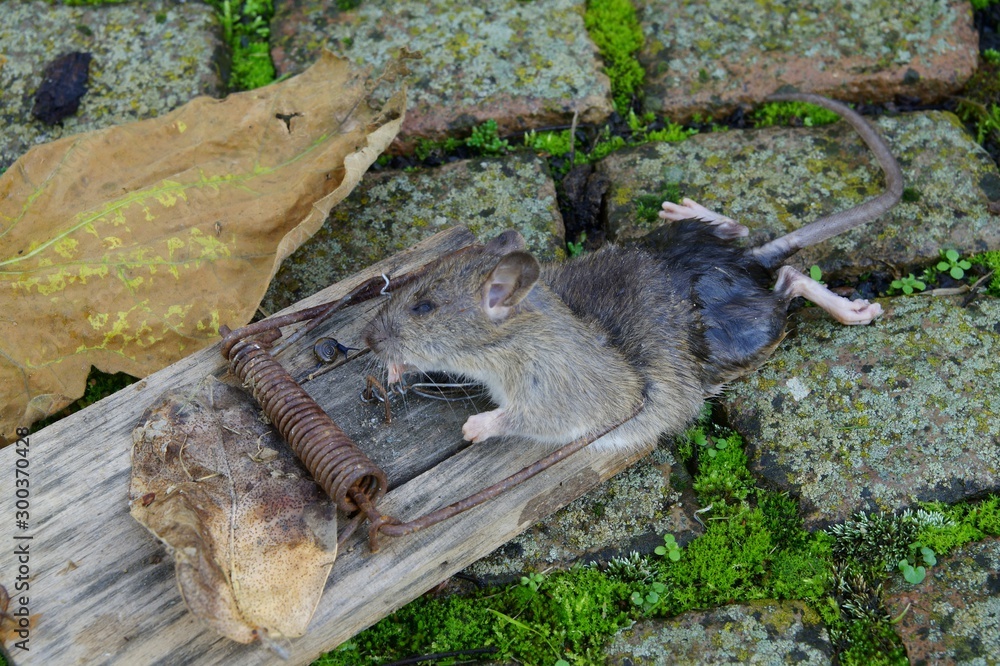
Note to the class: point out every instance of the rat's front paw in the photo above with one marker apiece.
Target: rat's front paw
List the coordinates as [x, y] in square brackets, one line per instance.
[480, 427]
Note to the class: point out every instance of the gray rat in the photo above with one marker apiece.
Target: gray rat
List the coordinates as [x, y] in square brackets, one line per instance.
[567, 349]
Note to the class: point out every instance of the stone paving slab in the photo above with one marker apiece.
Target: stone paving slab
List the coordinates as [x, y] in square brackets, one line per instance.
[709, 57]
[953, 616]
[777, 179]
[148, 58]
[878, 417]
[764, 632]
[524, 64]
[628, 513]
[390, 211]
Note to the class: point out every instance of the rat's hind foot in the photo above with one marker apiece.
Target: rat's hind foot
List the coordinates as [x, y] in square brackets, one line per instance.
[792, 283]
[721, 226]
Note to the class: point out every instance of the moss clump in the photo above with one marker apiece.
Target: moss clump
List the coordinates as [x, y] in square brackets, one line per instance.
[871, 644]
[246, 30]
[784, 113]
[615, 29]
[567, 616]
[955, 526]
[252, 66]
[549, 142]
[991, 260]
[747, 552]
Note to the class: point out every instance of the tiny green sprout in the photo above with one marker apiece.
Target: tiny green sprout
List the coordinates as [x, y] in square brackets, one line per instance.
[561, 662]
[913, 575]
[815, 272]
[713, 447]
[650, 598]
[929, 558]
[908, 284]
[486, 139]
[532, 581]
[954, 264]
[670, 548]
[576, 249]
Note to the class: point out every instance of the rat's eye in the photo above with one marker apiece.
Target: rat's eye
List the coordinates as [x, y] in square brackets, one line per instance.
[423, 307]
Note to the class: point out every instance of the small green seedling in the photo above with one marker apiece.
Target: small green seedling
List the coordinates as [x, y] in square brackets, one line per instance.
[670, 548]
[912, 575]
[926, 554]
[816, 273]
[486, 139]
[650, 598]
[713, 447]
[576, 249]
[532, 581]
[552, 143]
[908, 284]
[954, 264]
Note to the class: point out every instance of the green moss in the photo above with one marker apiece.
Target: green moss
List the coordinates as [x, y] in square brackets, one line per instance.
[723, 478]
[782, 113]
[567, 615]
[486, 140]
[424, 626]
[246, 31]
[549, 143]
[605, 147]
[991, 260]
[614, 28]
[869, 643]
[958, 525]
[725, 564]
[252, 66]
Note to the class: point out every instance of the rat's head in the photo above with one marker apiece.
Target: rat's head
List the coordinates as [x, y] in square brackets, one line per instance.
[443, 320]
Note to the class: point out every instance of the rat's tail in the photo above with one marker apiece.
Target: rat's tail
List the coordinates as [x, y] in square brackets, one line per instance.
[774, 252]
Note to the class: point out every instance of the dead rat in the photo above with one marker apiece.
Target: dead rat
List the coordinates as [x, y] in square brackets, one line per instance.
[566, 349]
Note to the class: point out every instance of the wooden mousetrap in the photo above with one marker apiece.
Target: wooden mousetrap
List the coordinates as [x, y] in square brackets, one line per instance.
[104, 590]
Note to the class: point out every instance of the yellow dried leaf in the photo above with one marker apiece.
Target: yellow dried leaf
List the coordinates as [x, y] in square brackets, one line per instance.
[252, 536]
[126, 248]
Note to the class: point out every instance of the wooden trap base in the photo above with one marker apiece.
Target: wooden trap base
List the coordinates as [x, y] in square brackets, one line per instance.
[104, 589]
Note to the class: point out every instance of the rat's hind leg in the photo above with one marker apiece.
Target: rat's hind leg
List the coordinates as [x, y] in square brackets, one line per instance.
[792, 283]
[721, 226]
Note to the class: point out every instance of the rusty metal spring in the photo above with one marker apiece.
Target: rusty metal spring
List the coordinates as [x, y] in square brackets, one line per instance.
[335, 462]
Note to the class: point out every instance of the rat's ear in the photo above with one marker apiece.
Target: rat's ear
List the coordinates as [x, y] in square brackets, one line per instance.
[507, 242]
[514, 276]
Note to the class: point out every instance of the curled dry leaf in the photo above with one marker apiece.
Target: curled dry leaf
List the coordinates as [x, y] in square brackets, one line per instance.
[252, 536]
[126, 248]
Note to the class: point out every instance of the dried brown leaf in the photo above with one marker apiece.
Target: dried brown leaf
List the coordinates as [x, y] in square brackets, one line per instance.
[126, 248]
[252, 536]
